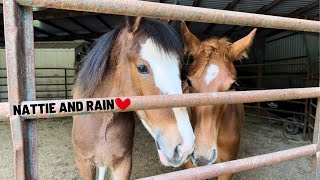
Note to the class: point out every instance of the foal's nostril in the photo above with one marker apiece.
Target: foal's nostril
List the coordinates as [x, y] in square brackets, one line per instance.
[214, 153]
[201, 161]
[157, 145]
[176, 152]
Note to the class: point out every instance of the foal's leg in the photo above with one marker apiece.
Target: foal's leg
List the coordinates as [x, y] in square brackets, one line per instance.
[87, 170]
[227, 152]
[122, 169]
[188, 165]
[102, 172]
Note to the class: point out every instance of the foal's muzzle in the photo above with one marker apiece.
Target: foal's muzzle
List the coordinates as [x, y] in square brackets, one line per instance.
[176, 156]
[199, 160]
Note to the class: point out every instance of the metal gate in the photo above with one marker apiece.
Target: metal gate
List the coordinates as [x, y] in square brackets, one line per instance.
[19, 42]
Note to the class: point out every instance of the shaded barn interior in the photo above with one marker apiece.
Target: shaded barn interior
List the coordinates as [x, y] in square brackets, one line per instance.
[278, 58]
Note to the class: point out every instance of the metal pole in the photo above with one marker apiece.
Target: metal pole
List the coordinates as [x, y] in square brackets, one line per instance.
[206, 172]
[176, 12]
[316, 140]
[21, 85]
[65, 83]
[183, 100]
[259, 84]
[306, 102]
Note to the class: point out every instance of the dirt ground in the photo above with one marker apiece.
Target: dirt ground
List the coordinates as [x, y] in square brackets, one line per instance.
[56, 155]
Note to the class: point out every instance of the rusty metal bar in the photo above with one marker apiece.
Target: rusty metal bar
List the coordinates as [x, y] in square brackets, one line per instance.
[274, 77]
[312, 116]
[166, 101]
[176, 12]
[316, 140]
[313, 105]
[274, 110]
[206, 172]
[182, 100]
[271, 64]
[21, 85]
[274, 119]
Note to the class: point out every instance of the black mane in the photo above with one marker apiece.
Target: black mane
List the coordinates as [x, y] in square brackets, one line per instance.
[93, 66]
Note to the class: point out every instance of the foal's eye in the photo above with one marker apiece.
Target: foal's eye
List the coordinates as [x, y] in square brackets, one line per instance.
[234, 86]
[142, 69]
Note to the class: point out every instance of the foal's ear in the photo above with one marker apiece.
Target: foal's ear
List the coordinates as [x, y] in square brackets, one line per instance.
[191, 42]
[238, 50]
[133, 23]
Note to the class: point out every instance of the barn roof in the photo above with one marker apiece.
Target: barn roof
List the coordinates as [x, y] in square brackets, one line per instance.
[64, 25]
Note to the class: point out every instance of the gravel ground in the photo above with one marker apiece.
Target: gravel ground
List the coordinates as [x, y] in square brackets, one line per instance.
[56, 155]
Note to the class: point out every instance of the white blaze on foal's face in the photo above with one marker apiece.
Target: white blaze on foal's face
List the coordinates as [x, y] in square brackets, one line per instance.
[165, 68]
[212, 72]
[166, 76]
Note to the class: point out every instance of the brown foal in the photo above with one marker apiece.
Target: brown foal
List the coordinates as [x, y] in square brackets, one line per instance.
[139, 58]
[216, 127]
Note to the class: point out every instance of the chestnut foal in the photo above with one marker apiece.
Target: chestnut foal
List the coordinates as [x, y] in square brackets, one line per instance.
[216, 127]
[139, 58]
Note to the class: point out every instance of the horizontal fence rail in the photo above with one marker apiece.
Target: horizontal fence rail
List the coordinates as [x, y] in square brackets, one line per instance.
[176, 12]
[239, 165]
[58, 83]
[182, 100]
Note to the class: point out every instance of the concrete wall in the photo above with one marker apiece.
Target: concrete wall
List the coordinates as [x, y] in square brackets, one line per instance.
[46, 58]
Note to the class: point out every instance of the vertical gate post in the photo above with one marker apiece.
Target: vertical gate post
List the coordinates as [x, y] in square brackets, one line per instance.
[19, 44]
[65, 84]
[316, 140]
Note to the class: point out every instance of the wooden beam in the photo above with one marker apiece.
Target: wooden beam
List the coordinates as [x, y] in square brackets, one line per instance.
[268, 7]
[81, 25]
[43, 31]
[231, 5]
[48, 22]
[71, 37]
[104, 22]
[55, 13]
[196, 3]
[209, 28]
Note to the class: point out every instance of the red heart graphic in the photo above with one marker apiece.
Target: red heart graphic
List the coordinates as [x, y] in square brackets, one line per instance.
[123, 104]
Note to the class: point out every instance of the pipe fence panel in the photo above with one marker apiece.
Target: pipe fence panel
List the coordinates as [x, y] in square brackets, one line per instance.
[176, 12]
[21, 79]
[18, 26]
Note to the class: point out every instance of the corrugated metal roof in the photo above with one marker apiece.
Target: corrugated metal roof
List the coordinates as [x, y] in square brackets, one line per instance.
[250, 5]
[287, 6]
[284, 7]
[221, 4]
[313, 12]
[186, 2]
